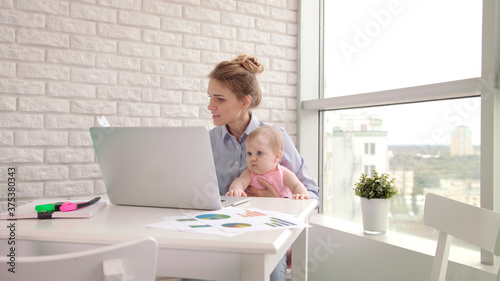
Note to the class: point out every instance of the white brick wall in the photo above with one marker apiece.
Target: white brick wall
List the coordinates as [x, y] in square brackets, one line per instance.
[138, 62]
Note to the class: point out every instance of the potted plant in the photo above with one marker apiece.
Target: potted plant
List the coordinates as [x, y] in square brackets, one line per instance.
[375, 192]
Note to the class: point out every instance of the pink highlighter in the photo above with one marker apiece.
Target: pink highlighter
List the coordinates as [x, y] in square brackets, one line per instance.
[68, 206]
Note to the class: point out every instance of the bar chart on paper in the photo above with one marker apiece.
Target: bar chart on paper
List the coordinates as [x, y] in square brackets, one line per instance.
[248, 214]
[276, 222]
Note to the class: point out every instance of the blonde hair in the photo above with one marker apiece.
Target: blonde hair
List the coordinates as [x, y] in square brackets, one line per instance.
[240, 76]
[272, 134]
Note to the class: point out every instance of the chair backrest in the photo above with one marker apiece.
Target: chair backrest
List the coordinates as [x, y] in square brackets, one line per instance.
[478, 226]
[133, 260]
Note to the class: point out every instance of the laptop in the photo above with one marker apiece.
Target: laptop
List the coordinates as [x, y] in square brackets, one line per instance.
[170, 167]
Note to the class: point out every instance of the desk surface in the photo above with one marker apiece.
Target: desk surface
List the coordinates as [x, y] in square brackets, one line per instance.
[115, 224]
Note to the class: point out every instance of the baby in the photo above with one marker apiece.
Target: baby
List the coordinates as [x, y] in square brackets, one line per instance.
[264, 148]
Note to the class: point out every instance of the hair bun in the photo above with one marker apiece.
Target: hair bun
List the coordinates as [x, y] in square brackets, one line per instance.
[249, 63]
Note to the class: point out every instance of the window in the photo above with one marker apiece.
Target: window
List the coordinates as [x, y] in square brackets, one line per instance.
[422, 90]
[368, 170]
[369, 148]
[437, 152]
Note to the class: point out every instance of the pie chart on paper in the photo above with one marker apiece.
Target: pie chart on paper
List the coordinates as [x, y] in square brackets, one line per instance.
[212, 217]
[236, 225]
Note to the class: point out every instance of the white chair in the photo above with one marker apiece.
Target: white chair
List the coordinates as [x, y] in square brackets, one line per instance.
[478, 226]
[133, 260]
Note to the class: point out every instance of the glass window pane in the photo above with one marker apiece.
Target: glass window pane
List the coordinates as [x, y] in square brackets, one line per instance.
[428, 147]
[373, 45]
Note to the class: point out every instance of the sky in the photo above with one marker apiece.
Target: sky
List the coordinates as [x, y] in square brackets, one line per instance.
[431, 122]
[396, 44]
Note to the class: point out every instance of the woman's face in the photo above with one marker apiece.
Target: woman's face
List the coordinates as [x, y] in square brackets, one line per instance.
[225, 107]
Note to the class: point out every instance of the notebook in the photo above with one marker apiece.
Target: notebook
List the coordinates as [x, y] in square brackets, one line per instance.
[169, 167]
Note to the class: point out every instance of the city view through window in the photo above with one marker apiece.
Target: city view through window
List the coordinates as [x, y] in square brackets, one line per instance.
[428, 147]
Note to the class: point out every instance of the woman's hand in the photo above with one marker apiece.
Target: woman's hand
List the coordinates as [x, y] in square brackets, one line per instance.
[270, 191]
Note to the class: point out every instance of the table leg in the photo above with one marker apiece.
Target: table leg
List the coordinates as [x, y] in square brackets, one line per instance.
[254, 267]
[299, 257]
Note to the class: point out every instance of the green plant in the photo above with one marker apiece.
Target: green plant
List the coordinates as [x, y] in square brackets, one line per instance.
[376, 187]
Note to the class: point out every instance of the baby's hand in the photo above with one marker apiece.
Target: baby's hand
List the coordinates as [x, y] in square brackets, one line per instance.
[236, 192]
[300, 196]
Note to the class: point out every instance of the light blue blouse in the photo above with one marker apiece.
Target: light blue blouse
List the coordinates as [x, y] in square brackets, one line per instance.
[230, 157]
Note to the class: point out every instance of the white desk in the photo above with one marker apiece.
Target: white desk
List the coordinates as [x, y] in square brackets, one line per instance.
[251, 256]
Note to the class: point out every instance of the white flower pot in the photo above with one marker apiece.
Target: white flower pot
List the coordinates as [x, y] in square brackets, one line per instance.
[375, 215]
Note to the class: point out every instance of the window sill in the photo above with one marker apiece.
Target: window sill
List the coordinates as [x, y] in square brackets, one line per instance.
[459, 255]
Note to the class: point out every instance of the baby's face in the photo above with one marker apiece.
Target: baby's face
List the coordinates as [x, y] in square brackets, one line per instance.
[261, 158]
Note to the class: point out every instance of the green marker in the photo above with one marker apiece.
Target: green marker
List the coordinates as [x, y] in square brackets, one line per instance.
[45, 208]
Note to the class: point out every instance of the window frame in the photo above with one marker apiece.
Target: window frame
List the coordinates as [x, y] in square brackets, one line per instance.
[311, 103]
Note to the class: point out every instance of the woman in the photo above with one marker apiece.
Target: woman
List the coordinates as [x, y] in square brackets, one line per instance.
[234, 91]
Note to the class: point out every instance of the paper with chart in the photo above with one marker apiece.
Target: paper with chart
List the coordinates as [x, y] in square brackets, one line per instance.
[232, 221]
